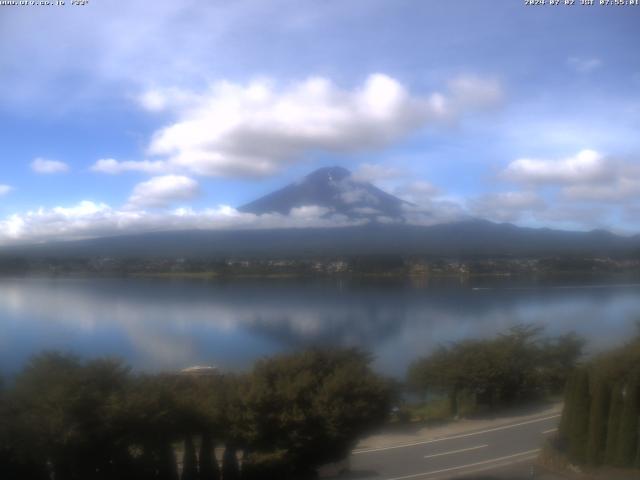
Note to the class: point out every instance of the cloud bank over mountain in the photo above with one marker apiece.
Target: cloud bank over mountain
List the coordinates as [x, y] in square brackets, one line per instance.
[91, 220]
[257, 129]
[329, 197]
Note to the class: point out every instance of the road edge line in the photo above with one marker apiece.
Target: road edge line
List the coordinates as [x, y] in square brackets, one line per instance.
[454, 437]
[462, 467]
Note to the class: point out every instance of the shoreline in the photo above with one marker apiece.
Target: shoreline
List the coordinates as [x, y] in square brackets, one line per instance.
[462, 278]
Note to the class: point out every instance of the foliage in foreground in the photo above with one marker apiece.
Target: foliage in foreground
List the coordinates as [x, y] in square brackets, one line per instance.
[516, 366]
[601, 417]
[67, 419]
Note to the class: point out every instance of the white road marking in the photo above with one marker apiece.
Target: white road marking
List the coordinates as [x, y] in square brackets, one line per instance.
[494, 467]
[465, 435]
[462, 467]
[551, 430]
[456, 451]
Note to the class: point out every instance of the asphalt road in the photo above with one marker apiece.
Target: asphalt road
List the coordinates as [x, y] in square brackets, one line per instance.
[511, 447]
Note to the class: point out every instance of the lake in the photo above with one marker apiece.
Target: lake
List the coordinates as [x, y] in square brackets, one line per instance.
[160, 324]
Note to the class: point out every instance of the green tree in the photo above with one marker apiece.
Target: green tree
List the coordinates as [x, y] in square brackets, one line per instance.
[516, 366]
[258, 466]
[189, 460]
[154, 414]
[579, 426]
[17, 458]
[441, 372]
[518, 362]
[73, 419]
[600, 397]
[559, 357]
[167, 466]
[230, 468]
[603, 400]
[564, 427]
[209, 469]
[628, 430]
[613, 425]
[64, 412]
[313, 405]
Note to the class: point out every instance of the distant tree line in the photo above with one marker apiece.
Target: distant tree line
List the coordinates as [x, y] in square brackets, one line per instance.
[66, 419]
[516, 366]
[601, 419]
[313, 264]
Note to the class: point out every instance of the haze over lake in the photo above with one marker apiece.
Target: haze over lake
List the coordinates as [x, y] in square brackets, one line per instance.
[171, 324]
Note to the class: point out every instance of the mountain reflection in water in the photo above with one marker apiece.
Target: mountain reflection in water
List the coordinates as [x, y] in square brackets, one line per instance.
[167, 324]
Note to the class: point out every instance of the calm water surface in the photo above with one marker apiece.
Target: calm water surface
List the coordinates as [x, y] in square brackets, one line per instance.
[165, 324]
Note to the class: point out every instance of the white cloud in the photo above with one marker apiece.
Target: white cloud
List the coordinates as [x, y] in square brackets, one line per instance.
[620, 189]
[89, 219]
[5, 189]
[419, 192]
[587, 166]
[622, 186]
[632, 213]
[474, 91]
[258, 128]
[45, 166]
[308, 212]
[366, 211]
[587, 176]
[163, 190]
[82, 209]
[506, 206]
[575, 216]
[358, 195]
[157, 100]
[432, 212]
[57, 222]
[584, 65]
[119, 53]
[113, 167]
[369, 172]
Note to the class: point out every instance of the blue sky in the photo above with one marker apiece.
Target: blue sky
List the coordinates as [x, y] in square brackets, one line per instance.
[169, 114]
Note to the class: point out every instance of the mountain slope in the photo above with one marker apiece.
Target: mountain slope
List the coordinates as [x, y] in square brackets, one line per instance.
[474, 237]
[334, 189]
